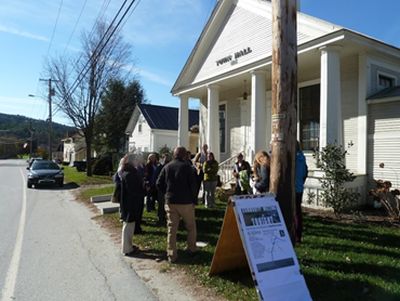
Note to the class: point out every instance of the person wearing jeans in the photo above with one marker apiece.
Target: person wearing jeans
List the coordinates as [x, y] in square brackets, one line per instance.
[210, 169]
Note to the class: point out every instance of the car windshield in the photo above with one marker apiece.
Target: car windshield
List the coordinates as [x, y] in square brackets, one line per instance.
[44, 165]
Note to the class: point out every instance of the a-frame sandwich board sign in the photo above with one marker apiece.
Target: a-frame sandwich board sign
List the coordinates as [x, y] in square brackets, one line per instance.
[254, 234]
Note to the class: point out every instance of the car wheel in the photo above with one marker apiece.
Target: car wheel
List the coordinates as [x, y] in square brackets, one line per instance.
[61, 184]
[29, 185]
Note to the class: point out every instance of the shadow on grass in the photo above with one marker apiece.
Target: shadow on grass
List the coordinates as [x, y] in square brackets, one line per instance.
[216, 213]
[353, 232]
[242, 276]
[356, 249]
[152, 254]
[323, 288]
[384, 272]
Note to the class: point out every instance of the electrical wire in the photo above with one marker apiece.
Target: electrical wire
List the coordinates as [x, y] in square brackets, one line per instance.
[130, 14]
[96, 53]
[78, 79]
[75, 26]
[54, 28]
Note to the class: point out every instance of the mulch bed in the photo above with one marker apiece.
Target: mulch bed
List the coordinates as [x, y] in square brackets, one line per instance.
[363, 216]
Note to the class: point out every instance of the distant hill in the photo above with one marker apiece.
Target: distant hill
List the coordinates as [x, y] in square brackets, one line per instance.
[17, 128]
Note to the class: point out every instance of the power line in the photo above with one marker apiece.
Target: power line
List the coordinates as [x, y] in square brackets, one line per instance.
[130, 14]
[55, 26]
[96, 53]
[100, 15]
[75, 26]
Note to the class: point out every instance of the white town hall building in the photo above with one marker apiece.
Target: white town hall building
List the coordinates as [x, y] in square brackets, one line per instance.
[348, 90]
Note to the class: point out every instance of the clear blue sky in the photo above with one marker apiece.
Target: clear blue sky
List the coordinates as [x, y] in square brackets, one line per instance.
[162, 33]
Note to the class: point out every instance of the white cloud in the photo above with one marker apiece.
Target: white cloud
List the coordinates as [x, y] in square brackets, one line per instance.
[21, 33]
[165, 23]
[155, 78]
[150, 76]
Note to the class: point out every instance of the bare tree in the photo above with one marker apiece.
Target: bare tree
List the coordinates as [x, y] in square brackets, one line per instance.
[81, 81]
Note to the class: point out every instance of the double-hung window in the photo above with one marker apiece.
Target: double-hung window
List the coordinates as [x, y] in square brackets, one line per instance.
[309, 116]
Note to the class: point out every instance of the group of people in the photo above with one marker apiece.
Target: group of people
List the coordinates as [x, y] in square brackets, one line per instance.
[255, 180]
[173, 184]
[252, 179]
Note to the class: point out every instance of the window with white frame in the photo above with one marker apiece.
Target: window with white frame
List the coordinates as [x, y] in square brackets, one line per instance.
[222, 128]
[309, 116]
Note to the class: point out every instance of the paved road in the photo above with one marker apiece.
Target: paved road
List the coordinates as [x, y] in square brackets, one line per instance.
[50, 249]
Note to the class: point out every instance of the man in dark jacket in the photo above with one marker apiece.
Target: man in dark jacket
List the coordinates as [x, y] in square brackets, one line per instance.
[178, 183]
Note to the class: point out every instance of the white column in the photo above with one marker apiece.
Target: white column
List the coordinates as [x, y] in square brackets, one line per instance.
[212, 120]
[258, 139]
[183, 122]
[362, 116]
[203, 122]
[331, 129]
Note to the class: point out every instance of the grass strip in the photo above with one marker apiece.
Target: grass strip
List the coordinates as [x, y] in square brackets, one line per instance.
[340, 261]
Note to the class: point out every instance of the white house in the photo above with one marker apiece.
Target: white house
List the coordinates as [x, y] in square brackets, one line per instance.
[347, 90]
[153, 127]
[74, 149]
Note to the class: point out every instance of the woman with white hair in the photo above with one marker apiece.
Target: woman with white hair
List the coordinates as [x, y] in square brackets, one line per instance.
[132, 196]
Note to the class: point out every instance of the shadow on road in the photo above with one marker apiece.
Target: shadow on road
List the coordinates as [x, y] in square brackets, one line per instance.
[67, 186]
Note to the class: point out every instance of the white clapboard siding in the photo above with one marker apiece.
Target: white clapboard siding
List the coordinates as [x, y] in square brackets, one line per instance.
[384, 142]
[349, 86]
[141, 140]
[249, 25]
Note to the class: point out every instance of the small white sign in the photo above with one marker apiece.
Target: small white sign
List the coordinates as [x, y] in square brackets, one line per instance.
[269, 250]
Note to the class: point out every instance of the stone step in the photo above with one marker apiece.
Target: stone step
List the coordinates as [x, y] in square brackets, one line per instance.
[107, 207]
[100, 198]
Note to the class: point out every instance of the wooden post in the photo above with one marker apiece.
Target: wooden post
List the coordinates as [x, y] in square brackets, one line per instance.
[284, 107]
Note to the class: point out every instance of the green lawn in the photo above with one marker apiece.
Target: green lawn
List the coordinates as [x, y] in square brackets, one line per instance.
[72, 176]
[340, 261]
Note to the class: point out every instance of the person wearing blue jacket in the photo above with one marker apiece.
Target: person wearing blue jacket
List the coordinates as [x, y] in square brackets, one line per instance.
[300, 178]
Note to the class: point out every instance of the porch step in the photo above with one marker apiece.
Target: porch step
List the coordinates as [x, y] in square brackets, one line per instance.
[100, 198]
[107, 207]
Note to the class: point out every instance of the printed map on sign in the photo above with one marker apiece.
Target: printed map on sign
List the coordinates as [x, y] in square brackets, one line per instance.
[269, 249]
[267, 239]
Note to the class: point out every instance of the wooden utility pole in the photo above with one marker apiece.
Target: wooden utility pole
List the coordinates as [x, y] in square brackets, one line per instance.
[51, 93]
[284, 107]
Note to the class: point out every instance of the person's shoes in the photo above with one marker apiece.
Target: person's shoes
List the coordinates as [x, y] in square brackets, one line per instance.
[161, 258]
[138, 231]
[171, 259]
[133, 252]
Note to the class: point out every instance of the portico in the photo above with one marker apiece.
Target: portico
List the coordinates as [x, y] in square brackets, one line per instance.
[229, 73]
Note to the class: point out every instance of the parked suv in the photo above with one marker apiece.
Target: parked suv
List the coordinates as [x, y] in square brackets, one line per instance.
[45, 172]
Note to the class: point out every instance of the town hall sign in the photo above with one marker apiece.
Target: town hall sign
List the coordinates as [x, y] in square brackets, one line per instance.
[235, 56]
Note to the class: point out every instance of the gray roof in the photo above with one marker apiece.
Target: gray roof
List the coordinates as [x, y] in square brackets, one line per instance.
[166, 118]
[386, 93]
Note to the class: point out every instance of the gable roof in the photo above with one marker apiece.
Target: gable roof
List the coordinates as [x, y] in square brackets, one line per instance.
[166, 118]
[245, 25]
[233, 26]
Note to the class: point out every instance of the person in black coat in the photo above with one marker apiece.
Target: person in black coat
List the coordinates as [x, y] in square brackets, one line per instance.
[177, 181]
[132, 196]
